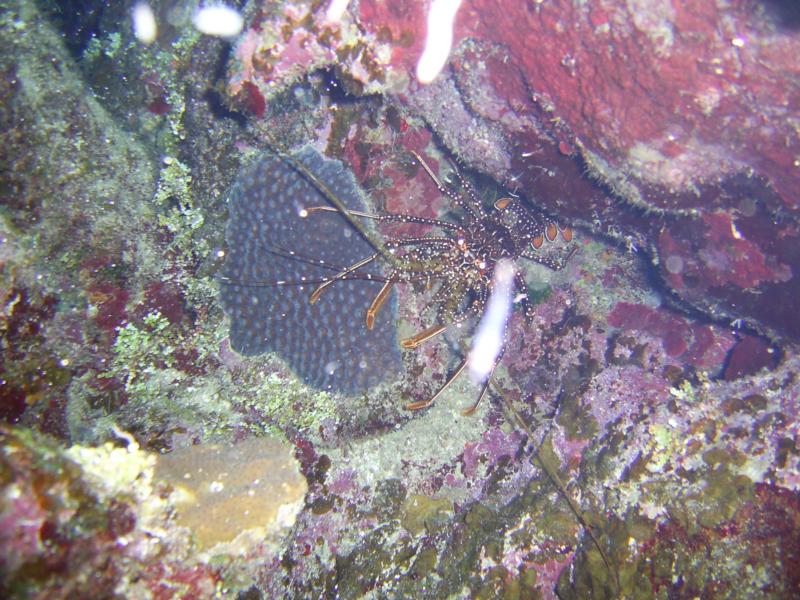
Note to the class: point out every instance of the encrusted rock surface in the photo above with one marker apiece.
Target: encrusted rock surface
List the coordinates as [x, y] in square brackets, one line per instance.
[641, 435]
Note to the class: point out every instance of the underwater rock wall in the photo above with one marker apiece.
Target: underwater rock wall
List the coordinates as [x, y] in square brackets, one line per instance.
[626, 448]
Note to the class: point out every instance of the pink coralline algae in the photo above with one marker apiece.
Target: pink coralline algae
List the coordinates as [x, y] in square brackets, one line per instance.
[694, 343]
[495, 444]
[719, 255]
[657, 84]
[622, 393]
[656, 87]
[400, 194]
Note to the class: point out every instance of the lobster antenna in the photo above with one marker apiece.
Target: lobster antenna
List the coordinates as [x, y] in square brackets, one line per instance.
[362, 230]
[554, 478]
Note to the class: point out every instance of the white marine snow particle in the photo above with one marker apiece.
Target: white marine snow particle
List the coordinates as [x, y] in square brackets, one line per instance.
[145, 28]
[218, 20]
[439, 40]
[488, 341]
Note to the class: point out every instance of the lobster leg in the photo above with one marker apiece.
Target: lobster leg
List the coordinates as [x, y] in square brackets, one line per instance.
[378, 302]
[427, 403]
[468, 411]
[422, 336]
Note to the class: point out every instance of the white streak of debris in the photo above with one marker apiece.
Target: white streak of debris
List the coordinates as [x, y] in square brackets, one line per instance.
[488, 341]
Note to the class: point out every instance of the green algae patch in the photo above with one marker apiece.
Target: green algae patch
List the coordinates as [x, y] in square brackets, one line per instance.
[548, 458]
[140, 349]
[380, 553]
[292, 404]
[591, 577]
[421, 513]
[572, 416]
[233, 496]
[539, 292]
[425, 563]
[161, 394]
[724, 494]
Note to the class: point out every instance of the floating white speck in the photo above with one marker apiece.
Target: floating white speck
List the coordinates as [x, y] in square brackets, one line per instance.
[439, 40]
[673, 264]
[145, 28]
[488, 341]
[737, 235]
[218, 20]
[331, 367]
[336, 10]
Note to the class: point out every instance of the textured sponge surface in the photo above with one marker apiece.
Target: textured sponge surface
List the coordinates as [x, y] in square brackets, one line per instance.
[269, 241]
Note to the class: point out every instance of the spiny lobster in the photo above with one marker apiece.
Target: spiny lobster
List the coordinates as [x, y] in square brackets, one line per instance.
[459, 260]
